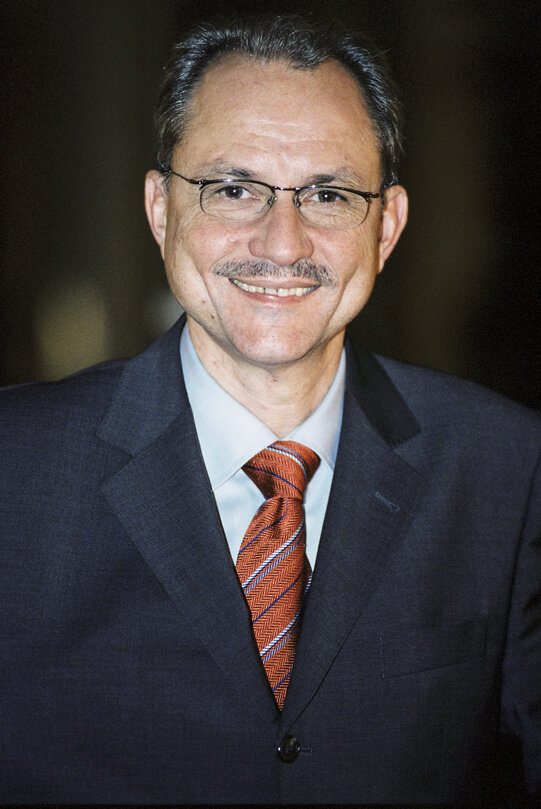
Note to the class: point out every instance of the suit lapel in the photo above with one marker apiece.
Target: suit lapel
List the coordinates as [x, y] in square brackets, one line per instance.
[373, 500]
[163, 499]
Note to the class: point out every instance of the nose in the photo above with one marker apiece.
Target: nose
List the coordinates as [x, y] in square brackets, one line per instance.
[281, 236]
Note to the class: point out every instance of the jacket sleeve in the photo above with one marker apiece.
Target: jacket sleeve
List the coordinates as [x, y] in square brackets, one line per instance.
[521, 694]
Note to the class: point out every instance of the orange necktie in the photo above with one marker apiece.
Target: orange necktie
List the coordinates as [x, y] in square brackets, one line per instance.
[272, 565]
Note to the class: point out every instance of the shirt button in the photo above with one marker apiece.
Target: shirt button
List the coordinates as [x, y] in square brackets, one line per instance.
[289, 749]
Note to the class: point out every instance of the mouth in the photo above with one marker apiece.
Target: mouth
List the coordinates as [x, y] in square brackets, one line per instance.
[281, 292]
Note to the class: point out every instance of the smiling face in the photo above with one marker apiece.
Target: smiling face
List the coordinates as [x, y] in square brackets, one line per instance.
[278, 290]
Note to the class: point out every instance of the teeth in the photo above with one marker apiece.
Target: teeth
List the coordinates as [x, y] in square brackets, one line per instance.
[281, 292]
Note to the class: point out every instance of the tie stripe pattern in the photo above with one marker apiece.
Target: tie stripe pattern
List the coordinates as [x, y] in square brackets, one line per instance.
[272, 565]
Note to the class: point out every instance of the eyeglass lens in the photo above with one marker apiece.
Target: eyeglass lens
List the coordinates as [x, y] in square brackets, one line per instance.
[323, 206]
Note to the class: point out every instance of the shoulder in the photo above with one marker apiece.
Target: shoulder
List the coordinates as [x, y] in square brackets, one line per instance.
[84, 397]
[435, 396]
[480, 433]
[116, 407]
[49, 441]
[409, 403]
[49, 430]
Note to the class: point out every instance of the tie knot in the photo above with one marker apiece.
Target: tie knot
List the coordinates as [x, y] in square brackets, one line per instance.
[283, 469]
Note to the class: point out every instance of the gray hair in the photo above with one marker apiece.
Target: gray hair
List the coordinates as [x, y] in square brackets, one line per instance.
[301, 44]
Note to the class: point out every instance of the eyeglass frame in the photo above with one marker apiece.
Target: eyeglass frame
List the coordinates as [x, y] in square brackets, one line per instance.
[368, 196]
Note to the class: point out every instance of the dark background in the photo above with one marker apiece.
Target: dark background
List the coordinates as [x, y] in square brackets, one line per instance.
[81, 278]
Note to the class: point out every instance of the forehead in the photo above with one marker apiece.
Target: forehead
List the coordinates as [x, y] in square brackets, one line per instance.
[250, 114]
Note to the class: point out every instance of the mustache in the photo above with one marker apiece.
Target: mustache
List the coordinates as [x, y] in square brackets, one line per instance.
[308, 270]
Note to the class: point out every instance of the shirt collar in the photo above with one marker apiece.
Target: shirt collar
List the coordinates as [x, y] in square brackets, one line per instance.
[229, 434]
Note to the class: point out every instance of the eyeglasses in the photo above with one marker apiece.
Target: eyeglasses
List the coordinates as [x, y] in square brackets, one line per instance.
[322, 206]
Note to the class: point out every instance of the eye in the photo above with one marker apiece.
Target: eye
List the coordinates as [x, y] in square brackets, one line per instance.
[234, 201]
[325, 196]
[232, 192]
[246, 192]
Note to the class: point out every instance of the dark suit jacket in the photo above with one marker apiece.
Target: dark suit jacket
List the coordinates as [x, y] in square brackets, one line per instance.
[129, 669]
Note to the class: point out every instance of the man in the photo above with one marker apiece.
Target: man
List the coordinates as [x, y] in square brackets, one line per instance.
[146, 661]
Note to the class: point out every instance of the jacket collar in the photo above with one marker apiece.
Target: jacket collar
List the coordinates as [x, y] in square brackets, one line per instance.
[162, 498]
[378, 397]
[151, 394]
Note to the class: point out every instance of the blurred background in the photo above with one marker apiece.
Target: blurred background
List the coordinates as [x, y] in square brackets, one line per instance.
[81, 278]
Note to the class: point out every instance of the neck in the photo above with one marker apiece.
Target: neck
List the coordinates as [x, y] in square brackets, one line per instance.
[281, 396]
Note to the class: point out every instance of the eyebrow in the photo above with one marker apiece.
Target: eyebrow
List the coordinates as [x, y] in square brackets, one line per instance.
[341, 175]
[226, 170]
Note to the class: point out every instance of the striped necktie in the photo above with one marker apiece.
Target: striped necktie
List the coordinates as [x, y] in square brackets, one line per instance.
[272, 565]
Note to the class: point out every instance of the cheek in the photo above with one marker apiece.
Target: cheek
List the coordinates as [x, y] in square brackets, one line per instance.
[353, 258]
[356, 266]
[192, 248]
[201, 242]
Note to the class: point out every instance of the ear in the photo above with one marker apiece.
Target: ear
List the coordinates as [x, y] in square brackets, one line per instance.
[156, 205]
[393, 221]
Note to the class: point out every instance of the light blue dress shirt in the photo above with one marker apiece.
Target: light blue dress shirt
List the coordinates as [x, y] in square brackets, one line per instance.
[229, 435]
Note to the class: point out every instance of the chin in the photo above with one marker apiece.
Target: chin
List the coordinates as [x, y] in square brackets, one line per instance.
[273, 353]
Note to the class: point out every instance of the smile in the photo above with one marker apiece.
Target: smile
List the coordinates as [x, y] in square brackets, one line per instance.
[282, 292]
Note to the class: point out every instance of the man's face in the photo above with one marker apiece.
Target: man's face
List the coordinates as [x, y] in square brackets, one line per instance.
[289, 128]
